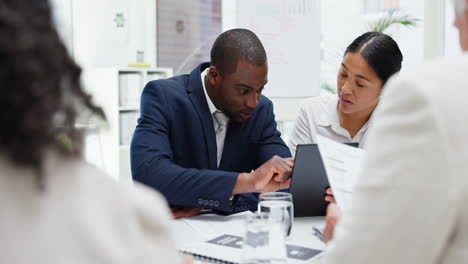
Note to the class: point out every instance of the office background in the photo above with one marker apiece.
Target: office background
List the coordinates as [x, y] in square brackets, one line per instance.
[122, 44]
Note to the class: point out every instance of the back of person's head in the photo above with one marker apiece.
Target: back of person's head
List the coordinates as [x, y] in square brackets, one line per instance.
[380, 51]
[234, 45]
[39, 86]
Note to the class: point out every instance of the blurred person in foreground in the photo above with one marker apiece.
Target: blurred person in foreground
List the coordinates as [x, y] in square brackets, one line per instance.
[409, 201]
[55, 208]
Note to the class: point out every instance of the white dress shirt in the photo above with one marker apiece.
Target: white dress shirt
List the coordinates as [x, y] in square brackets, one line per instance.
[410, 200]
[318, 115]
[220, 121]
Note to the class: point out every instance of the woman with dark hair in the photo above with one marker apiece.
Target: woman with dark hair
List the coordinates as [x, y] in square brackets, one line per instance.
[409, 200]
[55, 207]
[368, 62]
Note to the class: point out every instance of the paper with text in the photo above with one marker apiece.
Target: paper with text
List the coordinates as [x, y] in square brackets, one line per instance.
[342, 163]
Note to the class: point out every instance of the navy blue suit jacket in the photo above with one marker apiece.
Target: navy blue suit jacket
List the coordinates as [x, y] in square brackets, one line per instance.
[174, 145]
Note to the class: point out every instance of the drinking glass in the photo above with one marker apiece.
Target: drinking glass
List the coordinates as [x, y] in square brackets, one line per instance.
[254, 248]
[277, 208]
[263, 243]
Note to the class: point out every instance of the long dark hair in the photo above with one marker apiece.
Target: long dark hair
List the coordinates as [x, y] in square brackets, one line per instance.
[380, 51]
[40, 92]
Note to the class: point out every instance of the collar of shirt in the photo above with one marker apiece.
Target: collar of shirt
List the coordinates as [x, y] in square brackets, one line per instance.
[329, 118]
[211, 106]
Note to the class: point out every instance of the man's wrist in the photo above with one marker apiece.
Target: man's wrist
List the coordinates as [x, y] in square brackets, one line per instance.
[243, 184]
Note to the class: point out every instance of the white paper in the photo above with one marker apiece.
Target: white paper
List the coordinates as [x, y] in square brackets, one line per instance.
[342, 163]
[210, 225]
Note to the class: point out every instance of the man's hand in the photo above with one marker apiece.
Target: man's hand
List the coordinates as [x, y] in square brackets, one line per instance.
[329, 196]
[180, 212]
[333, 216]
[273, 175]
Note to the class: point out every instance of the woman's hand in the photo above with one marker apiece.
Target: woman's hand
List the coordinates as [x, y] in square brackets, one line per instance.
[333, 215]
[329, 196]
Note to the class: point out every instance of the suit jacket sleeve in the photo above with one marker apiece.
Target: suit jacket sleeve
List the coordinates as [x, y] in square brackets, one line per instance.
[404, 205]
[152, 160]
[271, 143]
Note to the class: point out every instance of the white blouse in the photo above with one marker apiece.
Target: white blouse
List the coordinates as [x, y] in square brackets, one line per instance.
[318, 115]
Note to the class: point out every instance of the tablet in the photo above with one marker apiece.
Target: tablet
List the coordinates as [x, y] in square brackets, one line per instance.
[309, 181]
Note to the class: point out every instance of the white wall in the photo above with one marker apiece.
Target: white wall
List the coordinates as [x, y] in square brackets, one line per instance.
[412, 39]
[229, 14]
[452, 38]
[341, 22]
[62, 14]
[434, 29]
[98, 42]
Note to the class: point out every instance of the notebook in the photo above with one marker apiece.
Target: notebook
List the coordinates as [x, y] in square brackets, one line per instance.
[227, 249]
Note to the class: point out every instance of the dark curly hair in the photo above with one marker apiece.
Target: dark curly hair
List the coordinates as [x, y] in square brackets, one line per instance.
[40, 91]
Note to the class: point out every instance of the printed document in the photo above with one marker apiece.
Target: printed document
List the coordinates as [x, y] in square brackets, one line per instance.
[342, 163]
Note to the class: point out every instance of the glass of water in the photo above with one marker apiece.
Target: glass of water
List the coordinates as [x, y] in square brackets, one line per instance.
[277, 208]
[255, 247]
[263, 243]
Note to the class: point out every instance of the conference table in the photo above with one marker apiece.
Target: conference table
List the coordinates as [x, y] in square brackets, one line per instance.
[201, 228]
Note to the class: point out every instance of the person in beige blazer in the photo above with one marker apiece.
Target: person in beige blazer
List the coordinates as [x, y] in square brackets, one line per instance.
[409, 205]
[55, 208]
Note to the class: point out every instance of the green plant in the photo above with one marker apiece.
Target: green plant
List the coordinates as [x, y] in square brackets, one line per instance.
[328, 88]
[392, 17]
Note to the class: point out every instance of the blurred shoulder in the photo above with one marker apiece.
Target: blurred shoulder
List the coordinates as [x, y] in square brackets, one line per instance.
[91, 183]
[438, 78]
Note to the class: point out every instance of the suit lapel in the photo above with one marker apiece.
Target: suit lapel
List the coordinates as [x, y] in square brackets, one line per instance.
[198, 99]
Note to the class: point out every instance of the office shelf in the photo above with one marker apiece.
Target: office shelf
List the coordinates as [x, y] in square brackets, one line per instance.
[118, 92]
